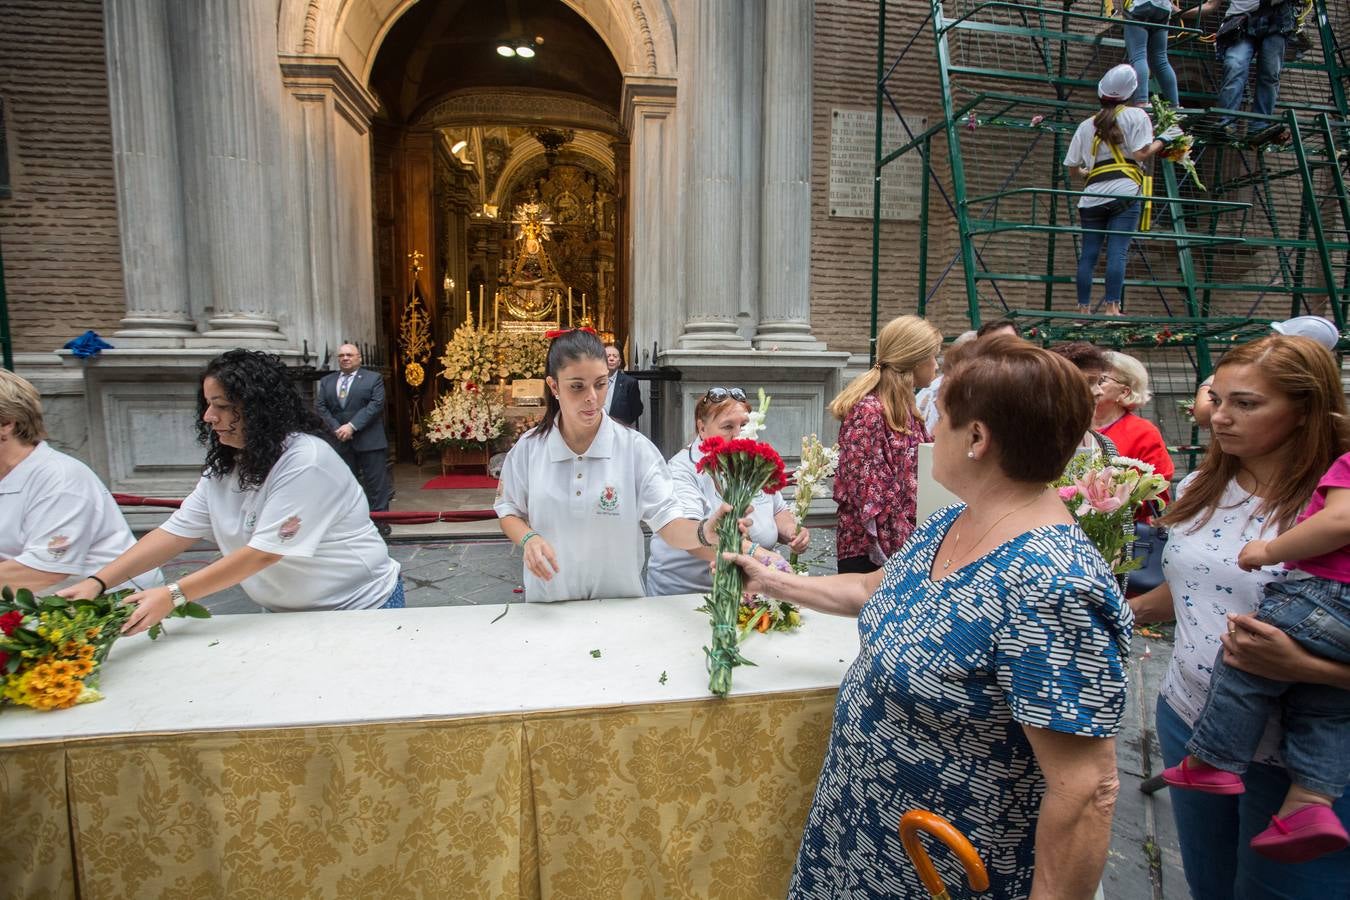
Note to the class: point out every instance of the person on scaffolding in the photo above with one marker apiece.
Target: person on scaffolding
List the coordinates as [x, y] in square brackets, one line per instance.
[1109, 150]
[1252, 29]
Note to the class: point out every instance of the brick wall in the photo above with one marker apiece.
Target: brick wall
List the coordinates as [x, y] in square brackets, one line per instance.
[62, 258]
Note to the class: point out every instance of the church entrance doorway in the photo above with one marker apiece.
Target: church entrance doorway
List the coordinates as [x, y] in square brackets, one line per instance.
[500, 183]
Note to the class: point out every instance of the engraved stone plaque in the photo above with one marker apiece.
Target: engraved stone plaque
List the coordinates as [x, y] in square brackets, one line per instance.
[852, 140]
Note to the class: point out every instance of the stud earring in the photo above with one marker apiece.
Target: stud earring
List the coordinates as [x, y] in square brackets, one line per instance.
[970, 454]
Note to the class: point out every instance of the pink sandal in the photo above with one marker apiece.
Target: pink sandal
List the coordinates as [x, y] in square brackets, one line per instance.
[1305, 834]
[1194, 775]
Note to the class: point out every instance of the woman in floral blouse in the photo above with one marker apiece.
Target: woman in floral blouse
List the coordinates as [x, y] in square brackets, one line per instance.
[877, 485]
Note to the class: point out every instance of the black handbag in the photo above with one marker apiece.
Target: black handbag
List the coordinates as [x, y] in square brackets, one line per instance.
[1147, 547]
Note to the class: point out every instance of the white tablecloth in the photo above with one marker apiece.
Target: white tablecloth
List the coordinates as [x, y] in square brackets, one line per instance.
[265, 671]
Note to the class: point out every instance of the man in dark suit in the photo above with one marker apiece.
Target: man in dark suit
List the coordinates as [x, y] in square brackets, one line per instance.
[623, 402]
[351, 403]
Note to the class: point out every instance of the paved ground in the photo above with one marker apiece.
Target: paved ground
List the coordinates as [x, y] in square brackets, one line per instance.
[477, 566]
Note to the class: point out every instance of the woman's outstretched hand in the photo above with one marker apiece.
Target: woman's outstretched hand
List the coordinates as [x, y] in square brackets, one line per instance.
[710, 524]
[151, 607]
[87, 589]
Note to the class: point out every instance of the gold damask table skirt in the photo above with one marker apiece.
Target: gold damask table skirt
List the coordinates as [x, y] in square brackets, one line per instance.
[692, 799]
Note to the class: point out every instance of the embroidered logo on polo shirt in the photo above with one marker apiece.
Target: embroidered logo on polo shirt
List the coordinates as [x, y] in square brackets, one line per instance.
[57, 546]
[250, 521]
[609, 501]
[289, 529]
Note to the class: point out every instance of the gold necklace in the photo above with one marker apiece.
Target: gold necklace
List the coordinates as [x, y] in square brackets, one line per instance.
[956, 538]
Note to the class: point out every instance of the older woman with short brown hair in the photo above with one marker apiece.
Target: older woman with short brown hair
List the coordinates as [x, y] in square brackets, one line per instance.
[991, 677]
[60, 520]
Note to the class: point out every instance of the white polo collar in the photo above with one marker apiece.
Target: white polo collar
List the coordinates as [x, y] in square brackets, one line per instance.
[602, 447]
[18, 477]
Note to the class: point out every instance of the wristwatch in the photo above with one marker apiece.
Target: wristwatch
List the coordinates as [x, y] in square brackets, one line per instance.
[179, 598]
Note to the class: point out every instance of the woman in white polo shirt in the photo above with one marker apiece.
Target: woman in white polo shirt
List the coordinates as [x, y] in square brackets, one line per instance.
[291, 521]
[721, 412]
[576, 488]
[57, 520]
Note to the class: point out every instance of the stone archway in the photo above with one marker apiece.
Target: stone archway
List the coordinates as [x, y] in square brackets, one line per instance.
[639, 33]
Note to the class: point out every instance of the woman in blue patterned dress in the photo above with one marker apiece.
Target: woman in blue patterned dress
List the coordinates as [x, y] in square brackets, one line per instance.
[991, 676]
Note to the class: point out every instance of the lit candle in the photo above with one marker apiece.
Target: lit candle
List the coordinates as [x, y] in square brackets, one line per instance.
[583, 307]
[468, 303]
[569, 307]
[496, 312]
[480, 306]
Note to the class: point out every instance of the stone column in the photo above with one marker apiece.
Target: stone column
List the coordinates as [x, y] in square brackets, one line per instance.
[149, 183]
[328, 125]
[652, 208]
[222, 49]
[785, 232]
[712, 216]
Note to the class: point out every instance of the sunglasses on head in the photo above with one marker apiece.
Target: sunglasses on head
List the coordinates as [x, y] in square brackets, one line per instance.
[718, 394]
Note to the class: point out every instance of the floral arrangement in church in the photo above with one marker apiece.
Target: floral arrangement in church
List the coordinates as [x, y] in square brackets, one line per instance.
[818, 463]
[523, 355]
[740, 468]
[466, 418]
[471, 355]
[1179, 150]
[51, 649]
[1104, 496]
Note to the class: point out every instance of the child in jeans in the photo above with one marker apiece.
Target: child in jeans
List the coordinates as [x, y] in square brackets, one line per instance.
[1312, 606]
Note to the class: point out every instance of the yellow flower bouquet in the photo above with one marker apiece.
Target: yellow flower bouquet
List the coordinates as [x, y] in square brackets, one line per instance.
[51, 648]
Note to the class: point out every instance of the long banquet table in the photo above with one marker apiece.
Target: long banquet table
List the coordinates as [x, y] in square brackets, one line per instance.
[425, 753]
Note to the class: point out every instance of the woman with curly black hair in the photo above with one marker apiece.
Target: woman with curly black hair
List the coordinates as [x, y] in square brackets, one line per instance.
[291, 521]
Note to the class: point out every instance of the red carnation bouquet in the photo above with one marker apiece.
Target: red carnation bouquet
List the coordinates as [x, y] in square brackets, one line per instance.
[740, 468]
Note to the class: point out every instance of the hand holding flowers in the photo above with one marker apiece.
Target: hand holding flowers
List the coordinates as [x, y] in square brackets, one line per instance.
[740, 469]
[1103, 496]
[818, 463]
[1166, 122]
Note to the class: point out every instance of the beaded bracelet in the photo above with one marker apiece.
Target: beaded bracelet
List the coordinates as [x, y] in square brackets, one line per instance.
[703, 541]
[753, 547]
[525, 538]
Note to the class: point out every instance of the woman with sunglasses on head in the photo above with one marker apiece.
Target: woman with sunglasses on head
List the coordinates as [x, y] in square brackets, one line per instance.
[576, 488]
[721, 412]
[877, 485]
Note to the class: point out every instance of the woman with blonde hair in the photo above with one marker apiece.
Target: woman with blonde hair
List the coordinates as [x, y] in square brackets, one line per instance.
[877, 486]
[1123, 389]
[1279, 422]
[60, 521]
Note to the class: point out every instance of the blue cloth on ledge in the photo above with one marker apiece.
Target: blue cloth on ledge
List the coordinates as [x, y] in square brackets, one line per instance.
[87, 345]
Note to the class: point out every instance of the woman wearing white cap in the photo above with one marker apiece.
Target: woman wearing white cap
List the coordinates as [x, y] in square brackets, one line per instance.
[1109, 150]
[1317, 328]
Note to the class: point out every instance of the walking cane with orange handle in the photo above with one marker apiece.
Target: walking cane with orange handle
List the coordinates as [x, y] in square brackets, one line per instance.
[916, 820]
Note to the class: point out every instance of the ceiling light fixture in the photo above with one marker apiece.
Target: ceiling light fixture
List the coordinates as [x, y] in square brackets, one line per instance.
[505, 50]
[525, 51]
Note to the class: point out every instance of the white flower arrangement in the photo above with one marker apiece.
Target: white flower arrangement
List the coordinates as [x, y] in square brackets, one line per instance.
[466, 418]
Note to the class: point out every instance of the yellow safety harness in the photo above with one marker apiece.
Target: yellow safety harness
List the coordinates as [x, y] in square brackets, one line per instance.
[1119, 165]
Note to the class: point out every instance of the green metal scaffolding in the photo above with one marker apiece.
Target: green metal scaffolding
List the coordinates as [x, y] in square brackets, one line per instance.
[1268, 238]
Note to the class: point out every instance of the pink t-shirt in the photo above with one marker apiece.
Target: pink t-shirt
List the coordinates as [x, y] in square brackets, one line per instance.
[1336, 564]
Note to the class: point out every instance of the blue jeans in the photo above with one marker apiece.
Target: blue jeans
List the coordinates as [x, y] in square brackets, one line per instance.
[396, 600]
[1315, 612]
[1118, 215]
[1214, 831]
[1237, 60]
[1147, 49]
